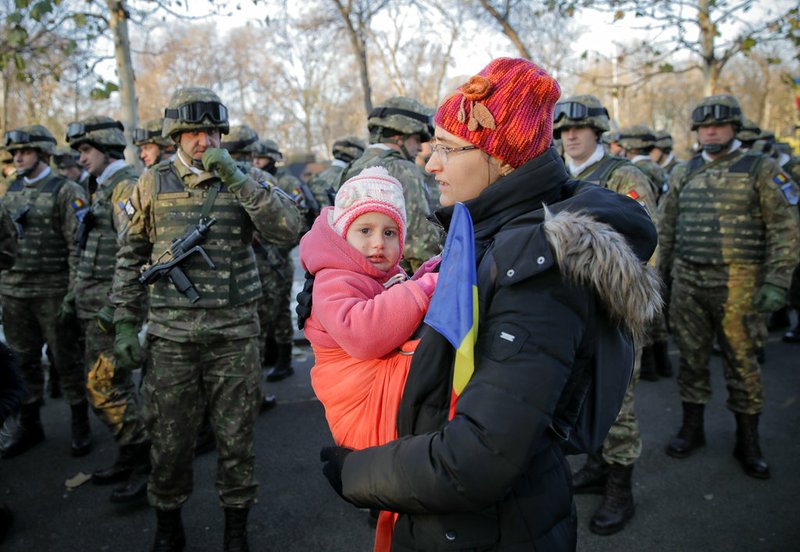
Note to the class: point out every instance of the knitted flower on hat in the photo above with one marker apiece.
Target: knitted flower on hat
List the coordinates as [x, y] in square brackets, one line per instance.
[372, 190]
[506, 110]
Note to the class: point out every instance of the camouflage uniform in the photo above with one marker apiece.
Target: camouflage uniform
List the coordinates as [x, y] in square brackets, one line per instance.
[406, 117]
[6, 160]
[34, 288]
[203, 352]
[8, 240]
[729, 235]
[664, 143]
[326, 182]
[110, 386]
[150, 133]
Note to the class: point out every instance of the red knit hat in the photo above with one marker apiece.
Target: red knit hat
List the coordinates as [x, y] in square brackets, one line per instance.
[506, 110]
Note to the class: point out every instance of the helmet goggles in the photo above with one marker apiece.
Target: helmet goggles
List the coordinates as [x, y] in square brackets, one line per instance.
[576, 111]
[21, 137]
[77, 130]
[197, 112]
[717, 112]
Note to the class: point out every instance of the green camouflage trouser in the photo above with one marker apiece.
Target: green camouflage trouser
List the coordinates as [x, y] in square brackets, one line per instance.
[181, 379]
[110, 388]
[274, 310]
[623, 444]
[697, 316]
[28, 325]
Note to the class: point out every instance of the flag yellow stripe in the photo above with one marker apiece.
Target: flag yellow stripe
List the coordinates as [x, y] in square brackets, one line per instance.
[465, 354]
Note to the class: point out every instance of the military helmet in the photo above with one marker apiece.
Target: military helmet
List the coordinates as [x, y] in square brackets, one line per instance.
[194, 109]
[663, 140]
[402, 115]
[241, 139]
[637, 137]
[718, 109]
[610, 137]
[749, 131]
[98, 131]
[65, 157]
[347, 149]
[32, 136]
[580, 111]
[150, 133]
[268, 148]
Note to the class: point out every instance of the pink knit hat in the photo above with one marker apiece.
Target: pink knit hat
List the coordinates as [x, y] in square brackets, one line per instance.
[372, 190]
[506, 110]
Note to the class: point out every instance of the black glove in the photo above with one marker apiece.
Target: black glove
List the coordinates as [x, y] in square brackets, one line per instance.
[334, 458]
[303, 308]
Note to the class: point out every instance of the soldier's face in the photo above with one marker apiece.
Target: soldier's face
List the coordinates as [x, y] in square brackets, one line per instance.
[413, 144]
[579, 143]
[149, 154]
[93, 160]
[72, 173]
[195, 142]
[377, 237]
[261, 162]
[465, 174]
[715, 134]
[25, 159]
[656, 154]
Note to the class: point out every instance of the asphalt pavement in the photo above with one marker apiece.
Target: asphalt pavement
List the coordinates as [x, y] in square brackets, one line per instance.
[703, 503]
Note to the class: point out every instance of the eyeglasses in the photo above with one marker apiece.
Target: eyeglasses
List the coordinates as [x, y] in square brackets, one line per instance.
[575, 110]
[196, 112]
[718, 112]
[141, 134]
[443, 151]
[22, 137]
[76, 130]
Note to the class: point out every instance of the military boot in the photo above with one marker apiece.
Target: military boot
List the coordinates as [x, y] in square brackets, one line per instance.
[779, 320]
[793, 335]
[28, 433]
[81, 431]
[236, 530]
[268, 402]
[648, 365]
[661, 357]
[747, 450]
[135, 487]
[617, 506]
[169, 531]
[591, 478]
[283, 363]
[120, 470]
[691, 435]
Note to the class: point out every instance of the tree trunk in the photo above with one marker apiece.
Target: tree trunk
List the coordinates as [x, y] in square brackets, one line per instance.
[118, 24]
[358, 42]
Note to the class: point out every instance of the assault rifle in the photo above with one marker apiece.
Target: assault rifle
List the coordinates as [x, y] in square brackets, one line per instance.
[181, 248]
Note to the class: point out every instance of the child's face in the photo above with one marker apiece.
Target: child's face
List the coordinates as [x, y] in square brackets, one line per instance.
[377, 237]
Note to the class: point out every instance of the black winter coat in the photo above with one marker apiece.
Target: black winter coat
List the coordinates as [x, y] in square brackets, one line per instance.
[494, 477]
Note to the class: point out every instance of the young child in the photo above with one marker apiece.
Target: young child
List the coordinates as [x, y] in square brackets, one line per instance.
[364, 308]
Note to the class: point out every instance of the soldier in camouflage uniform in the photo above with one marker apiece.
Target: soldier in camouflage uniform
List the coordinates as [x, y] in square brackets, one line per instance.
[277, 280]
[748, 134]
[397, 128]
[580, 121]
[325, 184]
[202, 331]
[100, 142]
[153, 146]
[791, 165]
[45, 208]
[610, 140]
[728, 242]
[8, 169]
[638, 142]
[8, 240]
[242, 142]
[65, 160]
[662, 153]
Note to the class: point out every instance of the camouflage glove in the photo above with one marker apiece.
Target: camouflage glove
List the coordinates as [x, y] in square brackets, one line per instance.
[127, 349]
[67, 310]
[769, 298]
[105, 319]
[219, 160]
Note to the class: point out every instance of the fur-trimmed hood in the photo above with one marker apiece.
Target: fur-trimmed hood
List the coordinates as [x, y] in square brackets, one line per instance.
[589, 252]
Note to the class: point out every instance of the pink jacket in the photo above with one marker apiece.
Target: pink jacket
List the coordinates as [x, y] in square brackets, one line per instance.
[350, 307]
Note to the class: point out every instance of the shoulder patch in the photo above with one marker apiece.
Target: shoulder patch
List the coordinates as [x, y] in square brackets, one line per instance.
[633, 195]
[80, 209]
[129, 209]
[789, 192]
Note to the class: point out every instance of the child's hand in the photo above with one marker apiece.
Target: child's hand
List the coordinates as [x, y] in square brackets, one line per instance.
[428, 282]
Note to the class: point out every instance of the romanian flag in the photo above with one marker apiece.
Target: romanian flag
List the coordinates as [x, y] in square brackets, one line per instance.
[453, 311]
